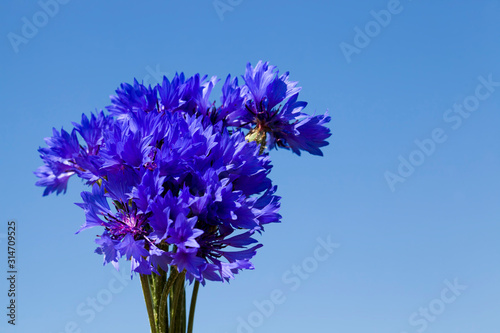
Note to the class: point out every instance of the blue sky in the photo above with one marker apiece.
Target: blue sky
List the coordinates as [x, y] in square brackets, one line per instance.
[408, 189]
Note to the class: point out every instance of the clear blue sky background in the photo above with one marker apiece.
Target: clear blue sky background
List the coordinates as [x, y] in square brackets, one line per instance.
[397, 246]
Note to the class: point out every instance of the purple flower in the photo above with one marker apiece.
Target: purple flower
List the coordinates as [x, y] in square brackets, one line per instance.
[174, 180]
[65, 156]
[275, 125]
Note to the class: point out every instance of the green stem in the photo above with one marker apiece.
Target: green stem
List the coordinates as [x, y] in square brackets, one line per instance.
[159, 283]
[171, 308]
[193, 306]
[163, 321]
[149, 302]
[152, 288]
[178, 311]
[183, 307]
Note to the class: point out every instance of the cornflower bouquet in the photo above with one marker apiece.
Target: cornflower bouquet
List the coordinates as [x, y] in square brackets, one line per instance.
[180, 186]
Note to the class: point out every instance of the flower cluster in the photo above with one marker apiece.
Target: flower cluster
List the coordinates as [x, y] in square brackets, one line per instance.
[177, 181]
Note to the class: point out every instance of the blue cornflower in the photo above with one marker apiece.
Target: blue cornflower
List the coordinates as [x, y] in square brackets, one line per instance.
[273, 124]
[65, 156]
[175, 182]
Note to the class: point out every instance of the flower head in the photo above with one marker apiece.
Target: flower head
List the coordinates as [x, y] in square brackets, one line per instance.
[178, 182]
[280, 125]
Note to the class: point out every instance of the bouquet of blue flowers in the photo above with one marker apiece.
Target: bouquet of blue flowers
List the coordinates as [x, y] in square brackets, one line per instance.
[179, 185]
